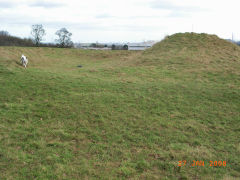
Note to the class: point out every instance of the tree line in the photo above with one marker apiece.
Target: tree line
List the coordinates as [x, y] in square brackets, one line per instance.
[37, 33]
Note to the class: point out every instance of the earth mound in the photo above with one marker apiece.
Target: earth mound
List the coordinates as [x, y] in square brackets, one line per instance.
[194, 47]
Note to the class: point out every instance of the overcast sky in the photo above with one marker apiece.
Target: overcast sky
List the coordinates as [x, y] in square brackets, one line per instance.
[121, 20]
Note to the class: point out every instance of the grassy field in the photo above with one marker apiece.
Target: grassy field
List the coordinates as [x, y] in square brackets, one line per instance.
[122, 115]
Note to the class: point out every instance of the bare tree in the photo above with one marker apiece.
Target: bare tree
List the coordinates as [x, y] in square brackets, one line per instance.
[4, 33]
[38, 32]
[64, 38]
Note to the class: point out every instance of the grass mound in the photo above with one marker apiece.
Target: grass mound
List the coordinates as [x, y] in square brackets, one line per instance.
[195, 47]
[116, 119]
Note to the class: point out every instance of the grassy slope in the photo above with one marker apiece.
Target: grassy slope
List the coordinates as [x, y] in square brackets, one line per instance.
[123, 115]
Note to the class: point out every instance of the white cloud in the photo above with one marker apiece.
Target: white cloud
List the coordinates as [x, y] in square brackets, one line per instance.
[6, 4]
[46, 4]
[122, 21]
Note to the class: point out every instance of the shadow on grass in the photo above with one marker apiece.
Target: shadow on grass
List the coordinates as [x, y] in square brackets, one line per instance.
[18, 63]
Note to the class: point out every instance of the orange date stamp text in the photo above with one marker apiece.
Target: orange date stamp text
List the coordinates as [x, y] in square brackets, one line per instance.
[202, 163]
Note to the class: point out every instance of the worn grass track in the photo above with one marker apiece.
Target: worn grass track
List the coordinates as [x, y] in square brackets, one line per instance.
[123, 115]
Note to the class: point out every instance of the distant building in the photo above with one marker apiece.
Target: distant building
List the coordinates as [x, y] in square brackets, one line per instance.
[82, 45]
[93, 46]
[120, 47]
[116, 46]
[140, 46]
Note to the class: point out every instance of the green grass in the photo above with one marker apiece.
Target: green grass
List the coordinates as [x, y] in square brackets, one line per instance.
[117, 117]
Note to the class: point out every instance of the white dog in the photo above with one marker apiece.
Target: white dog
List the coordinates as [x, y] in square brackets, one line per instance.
[24, 61]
